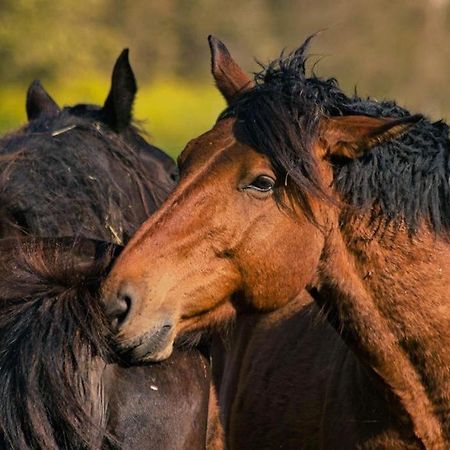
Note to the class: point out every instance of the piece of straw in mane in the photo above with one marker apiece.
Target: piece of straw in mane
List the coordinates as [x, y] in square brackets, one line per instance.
[47, 183]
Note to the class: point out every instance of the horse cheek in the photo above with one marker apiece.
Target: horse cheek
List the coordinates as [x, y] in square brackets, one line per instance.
[286, 270]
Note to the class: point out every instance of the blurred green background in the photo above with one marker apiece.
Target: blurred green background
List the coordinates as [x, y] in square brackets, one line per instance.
[386, 48]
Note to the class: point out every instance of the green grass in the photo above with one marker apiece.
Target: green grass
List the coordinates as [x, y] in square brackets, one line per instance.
[171, 111]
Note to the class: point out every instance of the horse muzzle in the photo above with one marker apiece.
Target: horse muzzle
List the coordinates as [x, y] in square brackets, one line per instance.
[152, 346]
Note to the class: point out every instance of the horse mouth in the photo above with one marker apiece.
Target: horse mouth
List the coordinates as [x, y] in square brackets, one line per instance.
[152, 346]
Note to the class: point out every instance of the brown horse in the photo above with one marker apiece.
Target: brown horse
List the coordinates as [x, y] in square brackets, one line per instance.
[296, 187]
[68, 177]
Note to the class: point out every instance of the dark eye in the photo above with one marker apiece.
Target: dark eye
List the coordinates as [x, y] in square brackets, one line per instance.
[263, 183]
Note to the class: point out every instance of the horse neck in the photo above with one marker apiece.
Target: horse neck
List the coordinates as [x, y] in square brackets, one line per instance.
[390, 296]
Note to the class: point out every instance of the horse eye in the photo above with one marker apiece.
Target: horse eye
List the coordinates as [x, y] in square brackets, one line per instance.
[263, 183]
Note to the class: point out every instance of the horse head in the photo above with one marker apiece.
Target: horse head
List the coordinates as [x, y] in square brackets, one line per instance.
[248, 223]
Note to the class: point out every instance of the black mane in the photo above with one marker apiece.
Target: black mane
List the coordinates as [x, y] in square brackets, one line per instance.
[53, 343]
[406, 179]
[72, 175]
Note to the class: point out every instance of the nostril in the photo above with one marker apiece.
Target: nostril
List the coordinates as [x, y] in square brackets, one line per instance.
[118, 309]
[125, 306]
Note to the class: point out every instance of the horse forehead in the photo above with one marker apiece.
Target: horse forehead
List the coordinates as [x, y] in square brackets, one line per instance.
[214, 148]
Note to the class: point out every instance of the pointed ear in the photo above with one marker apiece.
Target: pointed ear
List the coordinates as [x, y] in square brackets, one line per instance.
[119, 103]
[39, 103]
[354, 136]
[230, 79]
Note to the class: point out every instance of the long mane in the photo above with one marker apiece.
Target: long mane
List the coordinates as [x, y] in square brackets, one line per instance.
[406, 179]
[53, 336]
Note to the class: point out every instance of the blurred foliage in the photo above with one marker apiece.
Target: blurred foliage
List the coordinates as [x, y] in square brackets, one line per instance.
[171, 111]
[387, 48]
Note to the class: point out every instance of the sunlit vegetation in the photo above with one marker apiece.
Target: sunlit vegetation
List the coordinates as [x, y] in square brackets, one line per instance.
[171, 111]
[387, 49]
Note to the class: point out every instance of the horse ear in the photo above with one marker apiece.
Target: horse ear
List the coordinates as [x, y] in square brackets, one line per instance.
[119, 103]
[354, 136]
[39, 102]
[230, 79]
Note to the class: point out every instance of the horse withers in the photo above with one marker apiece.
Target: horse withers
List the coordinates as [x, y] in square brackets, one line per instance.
[68, 178]
[298, 186]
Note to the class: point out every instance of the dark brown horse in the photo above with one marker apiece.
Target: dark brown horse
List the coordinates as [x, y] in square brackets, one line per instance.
[289, 381]
[296, 187]
[67, 178]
